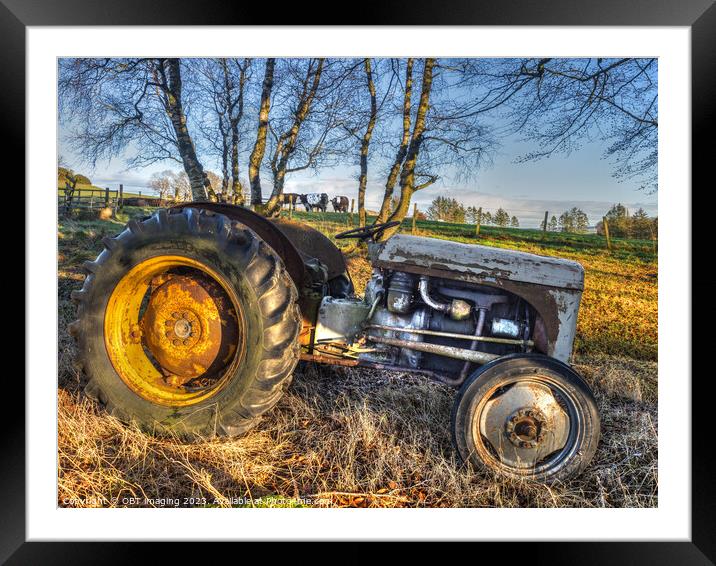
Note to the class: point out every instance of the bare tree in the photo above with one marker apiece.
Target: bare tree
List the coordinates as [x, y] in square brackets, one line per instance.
[408, 176]
[285, 143]
[220, 86]
[161, 183]
[167, 74]
[210, 99]
[257, 154]
[385, 209]
[442, 137]
[235, 105]
[365, 144]
[561, 103]
[117, 102]
[181, 187]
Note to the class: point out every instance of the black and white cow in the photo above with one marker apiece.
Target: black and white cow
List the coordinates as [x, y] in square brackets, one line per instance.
[315, 200]
[290, 199]
[340, 204]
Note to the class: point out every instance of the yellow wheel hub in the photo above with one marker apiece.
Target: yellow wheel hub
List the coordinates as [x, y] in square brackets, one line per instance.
[174, 330]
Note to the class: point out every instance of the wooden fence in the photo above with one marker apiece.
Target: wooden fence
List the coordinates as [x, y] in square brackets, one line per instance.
[89, 199]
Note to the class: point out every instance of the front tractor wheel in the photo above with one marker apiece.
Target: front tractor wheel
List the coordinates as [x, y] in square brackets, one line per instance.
[526, 416]
[188, 324]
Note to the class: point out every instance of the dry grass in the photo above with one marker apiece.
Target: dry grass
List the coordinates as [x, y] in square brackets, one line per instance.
[349, 437]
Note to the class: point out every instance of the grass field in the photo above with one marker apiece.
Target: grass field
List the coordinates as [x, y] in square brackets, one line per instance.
[350, 437]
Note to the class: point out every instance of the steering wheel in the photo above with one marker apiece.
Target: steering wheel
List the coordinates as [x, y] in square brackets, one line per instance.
[366, 232]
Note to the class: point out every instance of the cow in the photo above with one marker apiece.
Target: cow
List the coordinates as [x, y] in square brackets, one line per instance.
[340, 204]
[290, 199]
[315, 200]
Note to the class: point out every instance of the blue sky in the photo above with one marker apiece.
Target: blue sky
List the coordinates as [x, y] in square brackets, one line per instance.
[525, 189]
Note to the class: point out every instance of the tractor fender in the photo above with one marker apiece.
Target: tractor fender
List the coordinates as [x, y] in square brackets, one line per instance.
[295, 242]
[266, 230]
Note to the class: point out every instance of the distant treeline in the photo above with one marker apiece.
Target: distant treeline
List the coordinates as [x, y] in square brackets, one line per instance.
[448, 209]
[624, 225]
[621, 224]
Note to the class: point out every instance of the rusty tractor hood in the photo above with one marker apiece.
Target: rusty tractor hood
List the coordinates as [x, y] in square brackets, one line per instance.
[472, 262]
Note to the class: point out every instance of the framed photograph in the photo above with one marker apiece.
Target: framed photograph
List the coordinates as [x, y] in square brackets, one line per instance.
[395, 280]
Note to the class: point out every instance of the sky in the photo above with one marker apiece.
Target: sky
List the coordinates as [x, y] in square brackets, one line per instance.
[525, 189]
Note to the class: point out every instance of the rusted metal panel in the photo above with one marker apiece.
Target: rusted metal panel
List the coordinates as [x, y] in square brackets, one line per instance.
[472, 262]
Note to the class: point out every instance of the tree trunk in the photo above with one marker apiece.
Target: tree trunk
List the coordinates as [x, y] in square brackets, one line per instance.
[257, 155]
[287, 141]
[200, 185]
[365, 144]
[402, 149]
[407, 174]
[225, 166]
[237, 191]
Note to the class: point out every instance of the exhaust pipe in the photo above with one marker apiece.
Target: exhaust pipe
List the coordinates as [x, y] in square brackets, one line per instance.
[447, 351]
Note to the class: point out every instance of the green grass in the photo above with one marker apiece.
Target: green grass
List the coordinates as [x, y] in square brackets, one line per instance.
[505, 237]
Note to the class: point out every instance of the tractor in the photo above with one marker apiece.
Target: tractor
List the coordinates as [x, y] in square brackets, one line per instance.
[192, 320]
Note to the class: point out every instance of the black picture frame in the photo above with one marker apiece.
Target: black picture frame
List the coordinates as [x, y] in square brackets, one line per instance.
[699, 15]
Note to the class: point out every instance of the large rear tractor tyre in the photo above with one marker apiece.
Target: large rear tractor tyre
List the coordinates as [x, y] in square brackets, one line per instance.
[187, 325]
[526, 416]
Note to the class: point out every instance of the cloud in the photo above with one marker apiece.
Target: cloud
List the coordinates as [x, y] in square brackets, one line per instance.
[127, 178]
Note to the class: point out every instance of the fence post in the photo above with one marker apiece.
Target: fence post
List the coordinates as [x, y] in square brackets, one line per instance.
[606, 232]
[106, 197]
[653, 238]
[546, 215]
[415, 216]
[120, 204]
[478, 222]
